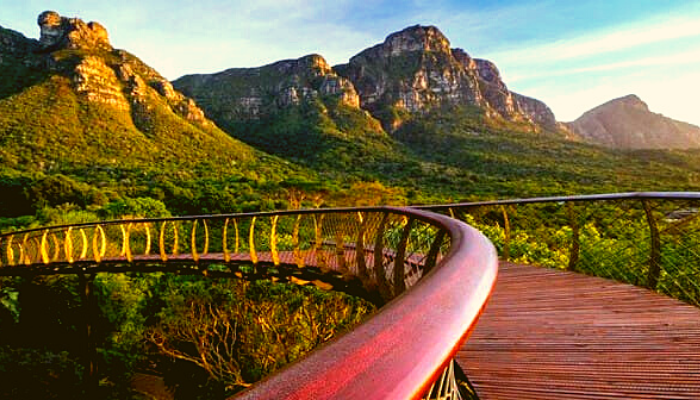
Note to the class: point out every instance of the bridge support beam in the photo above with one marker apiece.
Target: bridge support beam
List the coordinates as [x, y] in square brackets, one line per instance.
[90, 309]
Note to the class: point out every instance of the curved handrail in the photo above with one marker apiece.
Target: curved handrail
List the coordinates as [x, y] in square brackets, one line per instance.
[648, 239]
[396, 354]
[554, 199]
[400, 351]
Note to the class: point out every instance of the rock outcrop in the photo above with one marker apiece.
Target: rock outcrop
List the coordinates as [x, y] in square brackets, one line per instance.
[96, 81]
[536, 111]
[627, 123]
[416, 70]
[71, 33]
[252, 93]
[14, 44]
[98, 73]
[143, 85]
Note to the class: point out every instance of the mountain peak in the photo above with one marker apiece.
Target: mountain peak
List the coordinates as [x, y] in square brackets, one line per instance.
[627, 122]
[632, 100]
[418, 38]
[313, 64]
[59, 32]
[416, 71]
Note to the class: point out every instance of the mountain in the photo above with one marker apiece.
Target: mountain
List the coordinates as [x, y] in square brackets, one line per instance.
[627, 123]
[300, 109]
[413, 72]
[416, 70]
[71, 104]
[75, 92]
[253, 93]
[410, 120]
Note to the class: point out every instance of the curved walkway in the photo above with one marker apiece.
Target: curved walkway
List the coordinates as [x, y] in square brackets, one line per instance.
[549, 334]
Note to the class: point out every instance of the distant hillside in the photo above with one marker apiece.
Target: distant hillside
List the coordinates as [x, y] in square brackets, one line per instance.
[627, 123]
[300, 109]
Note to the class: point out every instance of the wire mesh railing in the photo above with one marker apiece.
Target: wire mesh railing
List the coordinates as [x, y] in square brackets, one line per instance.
[377, 253]
[644, 239]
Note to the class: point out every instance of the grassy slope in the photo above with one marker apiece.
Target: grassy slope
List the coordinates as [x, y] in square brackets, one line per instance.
[49, 123]
[517, 164]
[46, 128]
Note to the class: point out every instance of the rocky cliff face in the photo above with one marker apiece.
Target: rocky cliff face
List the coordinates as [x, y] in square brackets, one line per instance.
[628, 123]
[536, 111]
[98, 73]
[14, 45]
[416, 70]
[413, 71]
[252, 93]
[71, 33]
[70, 100]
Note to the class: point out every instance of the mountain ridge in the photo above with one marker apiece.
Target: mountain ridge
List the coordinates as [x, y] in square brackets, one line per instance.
[628, 123]
[412, 71]
[431, 73]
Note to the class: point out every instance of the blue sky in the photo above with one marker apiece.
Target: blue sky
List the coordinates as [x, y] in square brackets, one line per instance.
[573, 55]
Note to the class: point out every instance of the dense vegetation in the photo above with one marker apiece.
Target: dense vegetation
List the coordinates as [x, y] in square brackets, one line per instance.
[457, 154]
[193, 336]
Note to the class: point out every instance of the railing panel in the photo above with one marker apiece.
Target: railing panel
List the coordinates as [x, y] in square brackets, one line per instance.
[645, 239]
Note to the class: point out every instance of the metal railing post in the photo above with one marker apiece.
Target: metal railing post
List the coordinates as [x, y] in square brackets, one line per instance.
[655, 251]
[506, 228]
[399, 260]
[575, 238]
[380, 273]
[434, 251]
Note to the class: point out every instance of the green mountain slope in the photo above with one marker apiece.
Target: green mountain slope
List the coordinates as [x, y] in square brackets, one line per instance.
[102, 118]
[470, 158]
[300, 109]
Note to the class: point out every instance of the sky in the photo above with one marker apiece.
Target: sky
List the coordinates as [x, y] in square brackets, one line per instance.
[572, 55]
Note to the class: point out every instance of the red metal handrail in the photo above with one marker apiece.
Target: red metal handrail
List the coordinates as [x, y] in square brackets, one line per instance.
[400, 351]
[555, 199]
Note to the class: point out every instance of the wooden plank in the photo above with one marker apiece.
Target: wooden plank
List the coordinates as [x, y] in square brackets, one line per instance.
[549, 334]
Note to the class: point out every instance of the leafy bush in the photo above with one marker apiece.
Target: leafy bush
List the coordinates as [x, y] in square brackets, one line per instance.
[139, 207]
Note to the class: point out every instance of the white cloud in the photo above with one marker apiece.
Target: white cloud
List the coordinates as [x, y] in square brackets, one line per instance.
[689, 58]
[656, 58]
[615, 39]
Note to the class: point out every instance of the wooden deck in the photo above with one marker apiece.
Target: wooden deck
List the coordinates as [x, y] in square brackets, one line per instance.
[549, 334]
